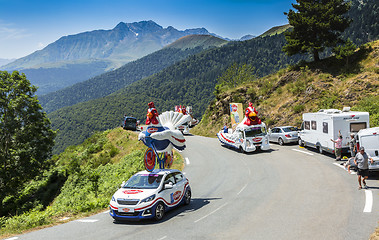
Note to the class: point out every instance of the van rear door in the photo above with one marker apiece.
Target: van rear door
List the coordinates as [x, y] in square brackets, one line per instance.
[370, 143]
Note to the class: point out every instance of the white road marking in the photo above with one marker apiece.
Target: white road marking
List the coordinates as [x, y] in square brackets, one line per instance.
[210, 213]
[338, 165]
[87, 220]
[187, 161]
[369, 201]
[242, 189]
[12, 238]
[341, 166]
[297, 150]
[369, 198]
[162, 238]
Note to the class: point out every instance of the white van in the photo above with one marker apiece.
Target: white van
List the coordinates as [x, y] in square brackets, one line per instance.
[318, 128]
[369, 139]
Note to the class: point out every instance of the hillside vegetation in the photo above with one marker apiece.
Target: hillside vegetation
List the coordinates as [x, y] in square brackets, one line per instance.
[107, 83]
[188, 82]
[281, 98]
[82, 181]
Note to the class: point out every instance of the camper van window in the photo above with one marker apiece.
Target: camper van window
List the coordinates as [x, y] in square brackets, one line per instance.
[325, 127]
[314, 125]
[307, 125]
[355, 127]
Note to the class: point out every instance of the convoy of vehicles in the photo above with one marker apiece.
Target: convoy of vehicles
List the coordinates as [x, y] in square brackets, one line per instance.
[319, 128]
[150, 194]
[283, 135]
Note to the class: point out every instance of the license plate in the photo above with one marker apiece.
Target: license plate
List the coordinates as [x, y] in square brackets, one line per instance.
[126, 210]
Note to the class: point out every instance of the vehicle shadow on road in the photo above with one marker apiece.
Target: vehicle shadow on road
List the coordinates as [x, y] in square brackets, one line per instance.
[196, 204]
[248, 153]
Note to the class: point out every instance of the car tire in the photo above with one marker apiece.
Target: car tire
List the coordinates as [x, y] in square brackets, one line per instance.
[280, 141]
[159, 211]
[319, 149]
[241, 150]
[187, 197]
[300, 142]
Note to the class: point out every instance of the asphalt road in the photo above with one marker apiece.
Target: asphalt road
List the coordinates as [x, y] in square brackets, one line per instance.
[286, 193]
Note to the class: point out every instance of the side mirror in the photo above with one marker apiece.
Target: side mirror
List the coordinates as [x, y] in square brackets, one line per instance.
[123, 183]
[168, 186]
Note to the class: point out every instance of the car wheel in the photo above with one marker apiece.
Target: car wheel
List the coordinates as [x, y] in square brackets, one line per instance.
[241, 150]
[187, 197]
[159, 211]
[301, 143]
[320, 149]
[281, 142]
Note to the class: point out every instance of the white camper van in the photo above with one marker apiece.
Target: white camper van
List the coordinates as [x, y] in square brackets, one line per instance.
[369, 139]
[318, 128]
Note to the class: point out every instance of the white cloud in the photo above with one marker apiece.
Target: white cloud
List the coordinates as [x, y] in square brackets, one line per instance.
[8, 32]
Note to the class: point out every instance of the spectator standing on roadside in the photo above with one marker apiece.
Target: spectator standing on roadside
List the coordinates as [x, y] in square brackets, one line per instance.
[225, 128]
[361, 160]
[338, 146]
[352, 145]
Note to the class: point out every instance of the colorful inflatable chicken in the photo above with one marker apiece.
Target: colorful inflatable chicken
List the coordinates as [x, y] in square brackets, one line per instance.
[251, 116]
[160, 133]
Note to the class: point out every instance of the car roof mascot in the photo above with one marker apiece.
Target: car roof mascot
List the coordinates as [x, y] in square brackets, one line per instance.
[251, 116]
[152, 115]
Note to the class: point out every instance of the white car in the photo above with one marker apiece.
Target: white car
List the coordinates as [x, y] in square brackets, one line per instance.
[150, 195]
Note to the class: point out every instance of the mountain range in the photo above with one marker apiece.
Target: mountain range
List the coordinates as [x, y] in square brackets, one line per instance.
[109, 82]
[78, 57]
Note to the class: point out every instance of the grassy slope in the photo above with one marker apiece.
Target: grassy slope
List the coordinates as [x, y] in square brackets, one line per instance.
[281, 98]
[91, 172]
[275, 30]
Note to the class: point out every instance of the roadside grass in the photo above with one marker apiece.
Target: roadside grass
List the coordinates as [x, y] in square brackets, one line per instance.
[91, 172]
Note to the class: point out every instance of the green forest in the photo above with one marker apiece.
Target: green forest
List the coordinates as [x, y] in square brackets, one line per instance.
[107, 83]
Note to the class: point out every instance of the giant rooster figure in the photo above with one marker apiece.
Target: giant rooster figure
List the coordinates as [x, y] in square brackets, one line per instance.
[249, 135]
[251, 116]
[152, 114]
[161, 137]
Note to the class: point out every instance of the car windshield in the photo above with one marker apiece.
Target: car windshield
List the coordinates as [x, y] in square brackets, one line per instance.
[289, 129]
[256, 131]
[130, 120]
[144, 181]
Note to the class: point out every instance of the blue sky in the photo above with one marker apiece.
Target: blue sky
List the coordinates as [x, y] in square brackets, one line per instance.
[30, 25]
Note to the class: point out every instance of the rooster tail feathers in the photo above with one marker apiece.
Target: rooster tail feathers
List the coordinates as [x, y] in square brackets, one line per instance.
[173, 119]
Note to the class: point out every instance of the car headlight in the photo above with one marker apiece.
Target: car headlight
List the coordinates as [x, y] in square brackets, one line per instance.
[148, 199]
[113, 199]
[248, 144]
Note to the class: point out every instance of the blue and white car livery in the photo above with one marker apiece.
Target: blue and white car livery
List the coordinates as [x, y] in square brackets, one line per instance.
[150, 195]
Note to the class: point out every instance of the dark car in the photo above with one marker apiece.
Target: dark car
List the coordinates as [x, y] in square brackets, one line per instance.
[130, 123]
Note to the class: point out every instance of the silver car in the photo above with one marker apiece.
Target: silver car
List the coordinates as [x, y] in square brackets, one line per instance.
[282, 135]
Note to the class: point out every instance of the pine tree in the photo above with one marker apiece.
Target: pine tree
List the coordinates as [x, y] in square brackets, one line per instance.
[317, 24]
